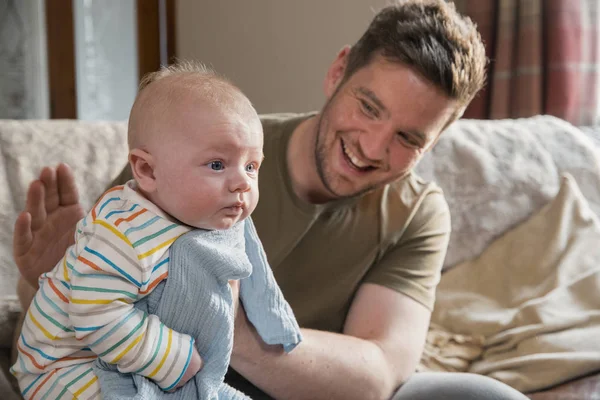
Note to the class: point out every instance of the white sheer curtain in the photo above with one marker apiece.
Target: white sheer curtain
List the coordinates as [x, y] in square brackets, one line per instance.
[23, 66]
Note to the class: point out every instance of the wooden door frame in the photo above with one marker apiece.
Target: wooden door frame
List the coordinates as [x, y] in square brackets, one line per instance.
[156, 34]
[155, 45]
[60, 36]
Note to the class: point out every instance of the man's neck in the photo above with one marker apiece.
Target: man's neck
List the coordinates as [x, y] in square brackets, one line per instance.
[301, 163]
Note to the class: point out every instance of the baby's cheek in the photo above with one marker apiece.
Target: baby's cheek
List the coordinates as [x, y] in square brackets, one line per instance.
[254, 197]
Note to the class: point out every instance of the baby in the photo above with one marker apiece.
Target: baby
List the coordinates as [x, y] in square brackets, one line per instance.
[195, 151]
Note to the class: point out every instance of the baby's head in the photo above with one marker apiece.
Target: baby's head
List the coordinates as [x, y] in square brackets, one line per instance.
[195, 146]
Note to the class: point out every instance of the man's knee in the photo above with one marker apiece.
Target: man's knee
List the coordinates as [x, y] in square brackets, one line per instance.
[459, 386]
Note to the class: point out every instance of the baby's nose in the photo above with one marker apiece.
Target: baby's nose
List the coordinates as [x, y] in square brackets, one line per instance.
[240, 183]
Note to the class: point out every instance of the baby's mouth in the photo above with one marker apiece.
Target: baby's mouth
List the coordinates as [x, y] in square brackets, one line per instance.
[239, 206]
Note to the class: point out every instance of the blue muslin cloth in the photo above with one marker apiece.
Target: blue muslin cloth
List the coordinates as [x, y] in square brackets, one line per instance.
[196, 300]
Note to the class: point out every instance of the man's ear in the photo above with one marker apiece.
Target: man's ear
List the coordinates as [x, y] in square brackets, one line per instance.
[142, 166]
[336, 71]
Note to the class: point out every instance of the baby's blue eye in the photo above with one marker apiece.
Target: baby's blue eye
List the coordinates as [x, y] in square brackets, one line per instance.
[216, 165]
[250, 168]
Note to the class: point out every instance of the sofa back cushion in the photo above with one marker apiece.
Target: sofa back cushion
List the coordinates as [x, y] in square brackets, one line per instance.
[497, 173]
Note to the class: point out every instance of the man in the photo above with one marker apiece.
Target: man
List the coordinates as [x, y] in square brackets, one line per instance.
[355, 239]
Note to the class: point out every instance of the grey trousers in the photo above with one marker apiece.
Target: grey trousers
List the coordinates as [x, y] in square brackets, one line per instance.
[434, 386]
[455, 386]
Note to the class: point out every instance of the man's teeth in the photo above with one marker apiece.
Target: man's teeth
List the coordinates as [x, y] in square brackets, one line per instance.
[353, 158]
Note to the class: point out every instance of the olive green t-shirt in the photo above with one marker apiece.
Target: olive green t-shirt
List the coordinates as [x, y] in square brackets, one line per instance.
[395, 236]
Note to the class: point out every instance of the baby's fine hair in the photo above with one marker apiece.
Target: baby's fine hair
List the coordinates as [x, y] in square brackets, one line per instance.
[189, 78]
[182, 67]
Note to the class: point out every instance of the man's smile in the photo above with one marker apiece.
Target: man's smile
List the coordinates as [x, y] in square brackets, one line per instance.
[354, 160]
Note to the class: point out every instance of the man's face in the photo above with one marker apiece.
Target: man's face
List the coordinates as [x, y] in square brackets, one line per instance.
[376, 126]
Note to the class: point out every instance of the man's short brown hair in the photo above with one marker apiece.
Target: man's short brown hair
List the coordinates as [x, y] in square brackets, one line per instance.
[431, 37]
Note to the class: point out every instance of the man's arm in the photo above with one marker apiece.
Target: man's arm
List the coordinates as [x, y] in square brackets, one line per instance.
[384, 331]
[382, 342]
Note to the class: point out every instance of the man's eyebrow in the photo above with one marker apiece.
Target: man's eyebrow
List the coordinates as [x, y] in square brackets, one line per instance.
[373, 97]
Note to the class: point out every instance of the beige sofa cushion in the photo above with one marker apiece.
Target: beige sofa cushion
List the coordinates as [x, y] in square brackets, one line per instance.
[533, 296]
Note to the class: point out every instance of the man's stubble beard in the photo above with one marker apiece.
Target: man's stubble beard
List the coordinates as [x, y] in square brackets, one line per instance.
[322, 162]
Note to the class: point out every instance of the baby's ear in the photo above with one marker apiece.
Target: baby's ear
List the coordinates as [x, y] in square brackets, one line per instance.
[142, 165]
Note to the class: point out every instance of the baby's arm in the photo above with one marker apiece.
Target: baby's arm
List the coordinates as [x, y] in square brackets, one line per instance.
[105, 279]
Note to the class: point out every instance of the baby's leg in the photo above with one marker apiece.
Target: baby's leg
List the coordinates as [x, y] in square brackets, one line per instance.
[76, 382]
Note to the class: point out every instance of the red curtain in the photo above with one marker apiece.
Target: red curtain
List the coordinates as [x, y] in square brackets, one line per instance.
[544, 58]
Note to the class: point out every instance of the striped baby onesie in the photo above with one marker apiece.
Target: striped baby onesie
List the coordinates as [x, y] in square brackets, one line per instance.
[84, 306]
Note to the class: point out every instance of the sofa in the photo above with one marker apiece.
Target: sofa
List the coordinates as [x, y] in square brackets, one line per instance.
[524, 196]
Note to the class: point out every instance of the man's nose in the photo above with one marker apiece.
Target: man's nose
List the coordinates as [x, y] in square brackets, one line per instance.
[239, 182]
[375, 142]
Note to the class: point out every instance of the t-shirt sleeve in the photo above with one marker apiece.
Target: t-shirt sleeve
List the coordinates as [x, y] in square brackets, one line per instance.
[413, 262]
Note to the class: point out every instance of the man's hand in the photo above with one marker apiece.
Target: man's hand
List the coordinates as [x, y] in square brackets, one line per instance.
[45, 229]
[235, 295]
[193, 368]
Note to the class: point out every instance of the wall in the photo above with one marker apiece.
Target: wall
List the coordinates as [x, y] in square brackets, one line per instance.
[277, 51]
